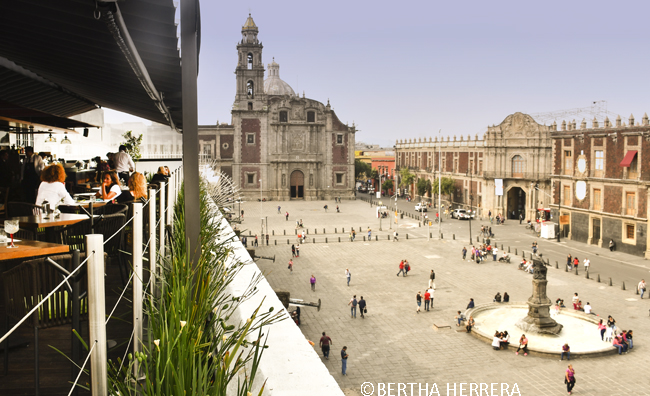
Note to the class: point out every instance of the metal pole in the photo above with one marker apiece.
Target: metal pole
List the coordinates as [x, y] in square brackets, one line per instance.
[559, 211]
[97, 313]
[170, 205]
[439, 184]
[262, 232]
[137, 285]
[76, 347]
[161, 230]
[189, 59]
[470, 208]
[153, 272]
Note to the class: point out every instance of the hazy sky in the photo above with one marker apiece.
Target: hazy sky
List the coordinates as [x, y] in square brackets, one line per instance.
[407, 69]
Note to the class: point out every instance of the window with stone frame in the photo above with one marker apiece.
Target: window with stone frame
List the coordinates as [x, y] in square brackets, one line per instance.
[517, 166]
[471, 167]
[311, 116]
[597, 199]
[455, 165]
[250, 138]
[283, 116]
[629, 231]
[340, 178]
[567, 196]
[568, 162]
[480, 168]
[633, 170]
[599, 163]
[339, 138]
[250, 178]
[630, 201]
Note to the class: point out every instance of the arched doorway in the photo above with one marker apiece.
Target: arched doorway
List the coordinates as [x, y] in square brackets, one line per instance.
[297, 184]
[516, 203]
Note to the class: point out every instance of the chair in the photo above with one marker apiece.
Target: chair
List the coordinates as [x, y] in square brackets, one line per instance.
[69, 209]
[73, 235]
[25, 286]
[108, 226]
[110, 209]
[16, 209]
[4, 198]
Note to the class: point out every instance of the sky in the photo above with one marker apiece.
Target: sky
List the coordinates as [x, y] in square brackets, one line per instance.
[410, 69]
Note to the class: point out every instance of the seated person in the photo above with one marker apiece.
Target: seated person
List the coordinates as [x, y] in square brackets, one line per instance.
[506, 297]
[110, 188]
[578, 306]
[587, 309]
[529, 267]
[459, 318]
[497, 298]
[102, 166]
[470, 324]
[161, 176]
[52, 189]
[137, 189]
[496, 341]
[505, 340]
[505, 255]
[560, 302]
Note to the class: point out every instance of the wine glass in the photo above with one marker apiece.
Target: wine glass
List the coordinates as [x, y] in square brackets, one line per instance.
[11, 226]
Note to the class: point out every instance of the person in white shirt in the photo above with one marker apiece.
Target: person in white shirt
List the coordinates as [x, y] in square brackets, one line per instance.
[110, 188]
[586, 263]
[430, 291]
[123, 164]
[52, 188]
[587, 309]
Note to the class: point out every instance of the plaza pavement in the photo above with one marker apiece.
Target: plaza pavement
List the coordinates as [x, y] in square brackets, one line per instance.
[394, 344]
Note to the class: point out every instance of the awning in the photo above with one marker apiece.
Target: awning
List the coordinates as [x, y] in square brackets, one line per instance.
[629, 157]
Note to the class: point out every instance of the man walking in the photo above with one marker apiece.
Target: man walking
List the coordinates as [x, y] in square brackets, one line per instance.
[286, 216]
[344, 359]
[362, 307]
[325, 343]
[348, 275]
[353, 306]
[369, 233]
[494, 253]
[312, 282]
[267, 239]
[430, 291]
[426, 300]
[256, 240]
[464, 253]
[279, 211]
[432, 279]
[401, 268]
[641, 287]
[587, 264]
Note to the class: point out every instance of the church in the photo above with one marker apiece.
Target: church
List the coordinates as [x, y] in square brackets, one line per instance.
[279, 145]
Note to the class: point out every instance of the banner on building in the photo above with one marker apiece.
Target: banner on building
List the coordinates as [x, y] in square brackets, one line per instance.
[498, 186]
[564, 219]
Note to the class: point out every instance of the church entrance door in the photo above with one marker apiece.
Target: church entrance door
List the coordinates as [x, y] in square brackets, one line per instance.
[297, 185]
[516, 203]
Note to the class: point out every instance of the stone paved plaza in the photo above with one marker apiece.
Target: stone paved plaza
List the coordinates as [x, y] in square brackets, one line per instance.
[394, 344]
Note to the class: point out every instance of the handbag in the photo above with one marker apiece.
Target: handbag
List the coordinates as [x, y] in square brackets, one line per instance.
[365, 310]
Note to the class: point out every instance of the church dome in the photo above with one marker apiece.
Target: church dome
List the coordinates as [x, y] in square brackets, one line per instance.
[273, 85]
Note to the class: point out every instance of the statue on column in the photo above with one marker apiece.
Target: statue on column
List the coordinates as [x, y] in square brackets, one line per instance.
[539, 318]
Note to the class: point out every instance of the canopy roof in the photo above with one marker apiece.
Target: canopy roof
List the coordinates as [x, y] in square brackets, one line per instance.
[63, 58]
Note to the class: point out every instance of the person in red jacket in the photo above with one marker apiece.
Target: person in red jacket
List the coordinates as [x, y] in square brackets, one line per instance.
[401, 268]
[427, 298]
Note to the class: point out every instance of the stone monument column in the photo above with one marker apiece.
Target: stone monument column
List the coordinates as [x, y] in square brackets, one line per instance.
[539, 318]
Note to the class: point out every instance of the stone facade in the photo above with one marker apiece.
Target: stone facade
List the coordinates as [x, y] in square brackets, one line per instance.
[601, 179]
[296, 146]
[517, 151]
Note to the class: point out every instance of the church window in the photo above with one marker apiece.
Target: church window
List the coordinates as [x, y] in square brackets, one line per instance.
[250, 178]
[250, 105]
[250, 138]
[311, 116]
[339, 139]
[517, 166]
[250, 61]
[250, 91]
[339, 178]
[283, 116]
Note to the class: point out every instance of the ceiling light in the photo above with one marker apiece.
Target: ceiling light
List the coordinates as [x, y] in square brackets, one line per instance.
[50, 139]
[66, 140]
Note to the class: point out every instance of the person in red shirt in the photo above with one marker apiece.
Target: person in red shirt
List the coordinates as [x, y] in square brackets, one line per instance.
[401, 268]
[325, 343]
[427, 298]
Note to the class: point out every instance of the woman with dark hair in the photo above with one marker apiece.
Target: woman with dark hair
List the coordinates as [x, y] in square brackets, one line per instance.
[110, 188]
[137, 189]
[52, 189]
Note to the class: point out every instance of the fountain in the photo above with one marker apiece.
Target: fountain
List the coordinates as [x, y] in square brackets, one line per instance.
[539, 319]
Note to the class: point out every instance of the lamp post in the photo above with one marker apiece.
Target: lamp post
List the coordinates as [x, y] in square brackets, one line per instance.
[379, 213]
[469, 173]
[261, 213]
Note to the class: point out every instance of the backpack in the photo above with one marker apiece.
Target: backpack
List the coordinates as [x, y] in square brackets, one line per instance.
[354, 302]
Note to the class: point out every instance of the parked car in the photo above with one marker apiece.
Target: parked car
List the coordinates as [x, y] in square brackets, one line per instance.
[460, 214]
[421, 207]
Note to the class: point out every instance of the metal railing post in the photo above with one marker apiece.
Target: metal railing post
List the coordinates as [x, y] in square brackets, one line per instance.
[76, 308]
[137, 285]
[161, 230]
[170, 204]
[97, 314]
[153, 270]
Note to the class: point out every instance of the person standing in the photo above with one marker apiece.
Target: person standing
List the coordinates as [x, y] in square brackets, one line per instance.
[432, 279]
[407, 267]
[565, 350]
[418, 299]
[297, 250]
[464, 252]
[286, 216]
[312, 282]
[570, 379]
[325, 343]
[602, 328]
[293, 250]
[256, 242]
[426, 300]
[123, 164]
[521, 217]
[430, 291]
[369, 234]
[587, 264]
[279, 211]
[344, 359]
[523, 344]
[395, 236]
[362, 307]
[348, 275]
[569, 260]
[641, 287]
[290, 266]
[353, 306]
[401, 268]
[31, 174]
[267, 239]
[494, 253]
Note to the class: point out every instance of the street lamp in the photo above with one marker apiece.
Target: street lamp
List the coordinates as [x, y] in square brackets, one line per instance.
[559, 205]
[379, 213]
[469, 173]
[261, 213]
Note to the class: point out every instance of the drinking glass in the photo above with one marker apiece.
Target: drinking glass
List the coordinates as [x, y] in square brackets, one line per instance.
[11, 226]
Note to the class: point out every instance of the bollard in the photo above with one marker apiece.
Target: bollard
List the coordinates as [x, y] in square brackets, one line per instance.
[508, 249]
[576, 270]
[430, 235]
[307, 231]
[276, 242]
[388, 237]
[315, 230]
[325, 240]
[566, 268]
[407, 236]
[477, 240]
[343, 230]
[288, 242]
[295, 231]
[441, 236]
[419, 224]
[502, 246]
[364, 238]
[557, 265]
[376, 238]
[273, 232]
[531, 255]
[335, 231]
[359, 229]
[515, 251]
[323, 231]
[285, 232]
[339, 239]
[249, 233]
[637, 290]
[610, 281]
[313, 240]
[623, 286]
[598, 278]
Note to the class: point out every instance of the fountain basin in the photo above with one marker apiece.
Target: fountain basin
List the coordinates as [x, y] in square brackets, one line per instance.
[579, 330]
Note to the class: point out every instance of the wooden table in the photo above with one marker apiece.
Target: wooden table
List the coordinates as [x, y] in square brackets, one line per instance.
[28, 248]
[41, 222]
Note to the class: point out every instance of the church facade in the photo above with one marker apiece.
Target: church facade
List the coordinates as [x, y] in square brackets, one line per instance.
[279, 145]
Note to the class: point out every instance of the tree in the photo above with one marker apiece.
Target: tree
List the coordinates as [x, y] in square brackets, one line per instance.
[406, 177]
[387, 185]
[132, 144]
[446, 187]
[362, 170]
[423, 186]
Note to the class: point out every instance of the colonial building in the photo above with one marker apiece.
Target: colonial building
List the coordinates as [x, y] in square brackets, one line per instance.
[279, 144]
[601, 177]
[506, 171]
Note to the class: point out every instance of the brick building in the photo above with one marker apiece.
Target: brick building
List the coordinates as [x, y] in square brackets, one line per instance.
[278, 143]
[601, 178]
[496, 173]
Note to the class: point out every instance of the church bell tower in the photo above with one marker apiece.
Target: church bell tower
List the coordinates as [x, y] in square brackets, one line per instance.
[250, 69]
